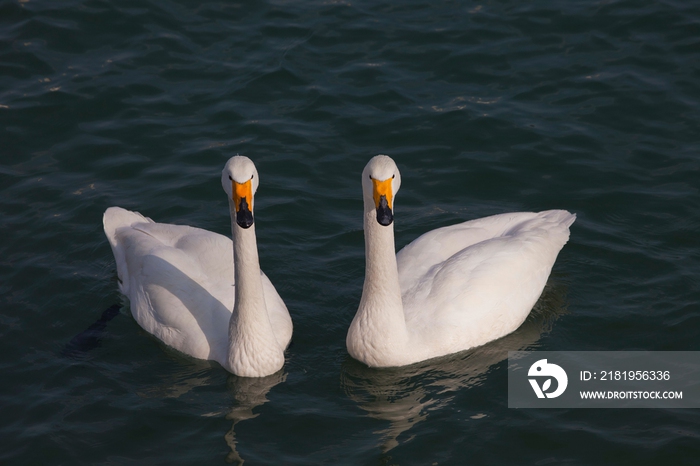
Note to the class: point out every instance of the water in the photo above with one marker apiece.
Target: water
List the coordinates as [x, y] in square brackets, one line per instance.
[486, 107]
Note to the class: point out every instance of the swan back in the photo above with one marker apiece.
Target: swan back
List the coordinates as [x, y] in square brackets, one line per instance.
[436, 246]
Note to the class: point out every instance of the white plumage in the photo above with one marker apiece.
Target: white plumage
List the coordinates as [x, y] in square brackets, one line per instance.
[188, 288]
[452, 288]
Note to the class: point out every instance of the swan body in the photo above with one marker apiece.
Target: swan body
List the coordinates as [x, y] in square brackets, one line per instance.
[452, 288]
[200, 292]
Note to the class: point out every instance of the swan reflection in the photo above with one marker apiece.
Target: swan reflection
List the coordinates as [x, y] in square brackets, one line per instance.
[404, 396]
[248, 394]
[244, 394]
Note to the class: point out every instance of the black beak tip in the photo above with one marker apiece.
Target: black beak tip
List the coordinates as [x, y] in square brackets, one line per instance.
[384, 215]
[244, 218]
[385, 219]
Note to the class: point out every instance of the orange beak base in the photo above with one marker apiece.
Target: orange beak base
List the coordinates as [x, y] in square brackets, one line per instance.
[383, 200]
[243, 201]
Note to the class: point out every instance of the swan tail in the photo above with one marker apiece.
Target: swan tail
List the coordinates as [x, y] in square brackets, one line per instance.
[552, 226]
[561, 217]
[557, 223]
[113, 219]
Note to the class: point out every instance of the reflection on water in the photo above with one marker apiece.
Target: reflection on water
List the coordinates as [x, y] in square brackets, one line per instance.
[404, 396]
[248, 393]
[195, 373]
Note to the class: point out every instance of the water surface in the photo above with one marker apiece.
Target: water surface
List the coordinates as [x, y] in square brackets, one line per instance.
[487, 108]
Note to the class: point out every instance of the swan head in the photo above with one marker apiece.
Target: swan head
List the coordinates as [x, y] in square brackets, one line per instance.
[380, 183]
[239, 179]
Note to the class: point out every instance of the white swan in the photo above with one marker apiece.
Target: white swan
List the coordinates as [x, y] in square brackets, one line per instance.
[452, 288]
[196, 290]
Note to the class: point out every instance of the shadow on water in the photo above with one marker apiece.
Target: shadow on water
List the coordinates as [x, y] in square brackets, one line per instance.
[91, 337]
[404, 396]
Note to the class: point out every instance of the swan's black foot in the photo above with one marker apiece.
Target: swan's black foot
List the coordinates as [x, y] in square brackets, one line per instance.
[90, 338]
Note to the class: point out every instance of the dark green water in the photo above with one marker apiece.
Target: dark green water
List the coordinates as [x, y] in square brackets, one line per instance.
[486, 107]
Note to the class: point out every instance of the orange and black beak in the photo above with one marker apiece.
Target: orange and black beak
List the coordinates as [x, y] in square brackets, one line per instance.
[383, 201]
[243, 200]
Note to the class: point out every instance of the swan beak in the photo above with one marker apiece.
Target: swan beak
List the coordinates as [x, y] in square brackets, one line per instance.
[242, 199]
[383, 197]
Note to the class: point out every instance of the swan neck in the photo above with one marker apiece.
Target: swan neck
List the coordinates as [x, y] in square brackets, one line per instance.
[381, 271]
[378, 335]
[246, 271]
[253, 348]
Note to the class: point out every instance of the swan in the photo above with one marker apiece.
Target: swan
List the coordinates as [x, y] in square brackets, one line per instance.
[198, 291]
[452, 288]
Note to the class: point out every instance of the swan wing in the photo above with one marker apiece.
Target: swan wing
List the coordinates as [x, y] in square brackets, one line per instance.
[465, 285]
[178, 284]
[436, 246]
[279, 315]
[211, 258]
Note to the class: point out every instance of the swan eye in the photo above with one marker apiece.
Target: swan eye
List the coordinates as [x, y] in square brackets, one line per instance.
[252, 176]
[370, 177]
[393, 176]
[229, 177]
